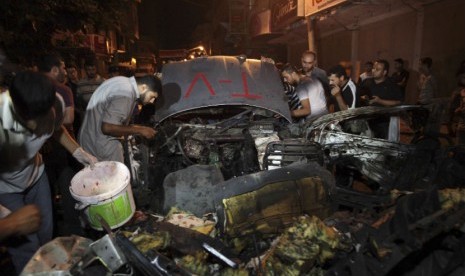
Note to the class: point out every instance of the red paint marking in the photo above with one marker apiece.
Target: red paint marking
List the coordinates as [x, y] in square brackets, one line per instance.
[246, 90]
[194, 81]
[225, 81]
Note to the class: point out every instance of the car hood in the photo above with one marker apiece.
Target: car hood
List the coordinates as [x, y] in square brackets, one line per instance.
[220, 81]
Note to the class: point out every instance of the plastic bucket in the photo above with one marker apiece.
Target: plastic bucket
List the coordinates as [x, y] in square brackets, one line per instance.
[104, 190]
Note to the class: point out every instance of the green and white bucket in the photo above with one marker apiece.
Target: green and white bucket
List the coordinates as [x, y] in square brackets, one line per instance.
[104, 190]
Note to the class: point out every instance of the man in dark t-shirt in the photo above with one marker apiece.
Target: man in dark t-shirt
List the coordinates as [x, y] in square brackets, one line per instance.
[400, 76]
[381, 92]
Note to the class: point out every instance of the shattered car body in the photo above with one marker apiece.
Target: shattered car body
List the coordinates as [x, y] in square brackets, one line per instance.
[214, 111]
[222, 112]
[207, 158]
[353, 147]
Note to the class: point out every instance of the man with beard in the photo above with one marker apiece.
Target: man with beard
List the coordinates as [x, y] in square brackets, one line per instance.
[310, 93]
[309, 68]
[109, 111]
[53, 66]
[86, 86]
[383, 92]
[343, 89]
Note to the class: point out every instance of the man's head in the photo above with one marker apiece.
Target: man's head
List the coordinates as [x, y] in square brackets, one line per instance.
[72, 71]
[398, 64]
[91, 69]
[337, 76]
[54, 66]
[308, 61]
[33, 96]
[149, 88]
[113, 71]
[369, 67]
[290, 75]
[425, 65]
[380, 70]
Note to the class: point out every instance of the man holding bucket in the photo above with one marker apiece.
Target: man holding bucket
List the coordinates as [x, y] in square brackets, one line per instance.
[109, 112]
[30, 113]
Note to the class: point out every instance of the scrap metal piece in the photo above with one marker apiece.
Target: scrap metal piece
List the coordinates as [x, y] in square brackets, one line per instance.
[57, 256]
[279, 154]
[103, 250]
[195, 181]
[220, 256]
[109, 254]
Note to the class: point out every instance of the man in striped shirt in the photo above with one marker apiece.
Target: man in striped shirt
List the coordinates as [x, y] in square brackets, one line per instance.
[292, 98]
[310, 93]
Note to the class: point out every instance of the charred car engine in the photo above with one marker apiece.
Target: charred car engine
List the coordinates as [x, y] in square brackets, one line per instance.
[229, 143]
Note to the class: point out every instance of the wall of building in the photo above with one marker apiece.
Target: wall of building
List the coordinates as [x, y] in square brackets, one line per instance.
[294, 52]
[334, 49]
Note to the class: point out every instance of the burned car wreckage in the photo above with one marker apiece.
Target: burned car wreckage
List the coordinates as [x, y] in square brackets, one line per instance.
[225, 146]
[328, 197]
[231, 112]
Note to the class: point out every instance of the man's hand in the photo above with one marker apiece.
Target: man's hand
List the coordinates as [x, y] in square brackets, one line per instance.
[335, 90]
[23, 221]
[27, 219]
[84, 157]
[147, 132]
[374, 100]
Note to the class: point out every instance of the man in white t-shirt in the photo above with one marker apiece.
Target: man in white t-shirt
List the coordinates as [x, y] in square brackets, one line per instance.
[310, 92]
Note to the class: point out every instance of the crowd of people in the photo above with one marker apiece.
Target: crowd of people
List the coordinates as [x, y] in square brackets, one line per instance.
[53, 123]
[322, 92]
[313, 92]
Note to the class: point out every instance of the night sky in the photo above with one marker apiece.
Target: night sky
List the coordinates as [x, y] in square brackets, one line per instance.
[171, 23]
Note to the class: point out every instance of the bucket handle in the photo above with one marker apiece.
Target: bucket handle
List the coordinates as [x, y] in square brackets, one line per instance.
[81, 206]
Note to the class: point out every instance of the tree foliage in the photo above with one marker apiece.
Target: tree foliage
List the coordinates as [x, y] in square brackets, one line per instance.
[27, 26]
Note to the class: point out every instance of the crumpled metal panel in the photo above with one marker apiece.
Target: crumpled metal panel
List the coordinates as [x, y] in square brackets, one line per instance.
[391, 164]
[57, 256]
[220, 81]
[266, 201]
[382, 161]
[274, 206]
[192, 189]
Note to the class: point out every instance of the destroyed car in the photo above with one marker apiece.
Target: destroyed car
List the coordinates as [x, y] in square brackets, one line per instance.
[231, 113]
[220, 111]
